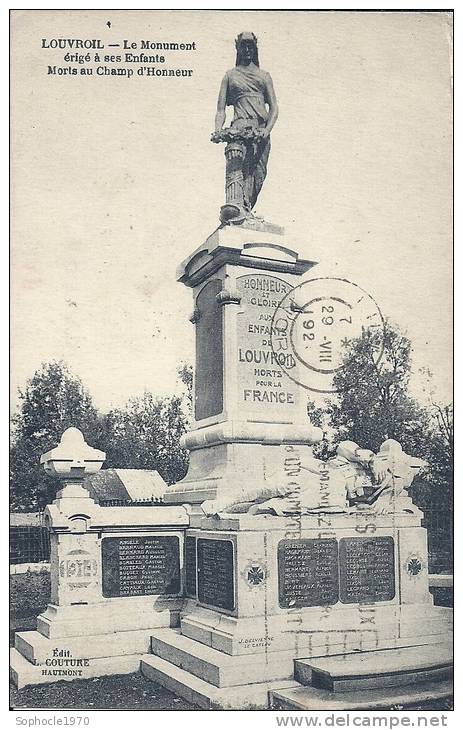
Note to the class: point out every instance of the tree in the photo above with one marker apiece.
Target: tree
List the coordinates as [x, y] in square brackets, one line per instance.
[52, 400]
[441, 448]
[441, 454]
[373, 404]
[185, 375]
[146, 433]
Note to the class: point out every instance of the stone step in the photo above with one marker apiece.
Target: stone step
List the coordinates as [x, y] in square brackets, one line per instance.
[217, 668]
[323, 643]
[24, 673]
[37, 648]
[56, 623]
[397, 628]
[371, 669]
[206, 695]
[312, 698]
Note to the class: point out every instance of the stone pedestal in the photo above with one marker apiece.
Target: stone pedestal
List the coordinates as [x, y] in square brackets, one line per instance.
[116, 574]
[245, 406]
[113, 580]
[321, 584]
[266, 594]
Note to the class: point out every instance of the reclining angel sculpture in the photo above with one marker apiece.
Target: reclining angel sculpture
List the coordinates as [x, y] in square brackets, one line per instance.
[353, 479]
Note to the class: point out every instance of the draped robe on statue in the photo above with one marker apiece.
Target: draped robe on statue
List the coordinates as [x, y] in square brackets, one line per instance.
[247, 93]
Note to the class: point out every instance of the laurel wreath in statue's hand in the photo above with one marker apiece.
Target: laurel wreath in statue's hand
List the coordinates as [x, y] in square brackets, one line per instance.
[244, 135]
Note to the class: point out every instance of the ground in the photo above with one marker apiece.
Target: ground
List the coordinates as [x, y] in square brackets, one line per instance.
[29, 595]
[124, 691]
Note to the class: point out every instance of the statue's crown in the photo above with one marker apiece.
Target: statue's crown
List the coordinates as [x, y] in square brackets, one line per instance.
[245, 37]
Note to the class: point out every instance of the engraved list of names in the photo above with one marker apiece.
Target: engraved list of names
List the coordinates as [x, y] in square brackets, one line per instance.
[216, 583]
[307, 572]
[141, 566]
[366, 566]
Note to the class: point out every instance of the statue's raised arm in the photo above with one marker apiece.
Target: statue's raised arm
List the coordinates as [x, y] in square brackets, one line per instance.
[249, 90]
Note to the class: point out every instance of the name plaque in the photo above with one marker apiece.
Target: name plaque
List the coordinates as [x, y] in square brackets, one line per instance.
[308, 572]
[216, 573]
[140, 566]
[190, 567]
[366, 567]
[322, 572]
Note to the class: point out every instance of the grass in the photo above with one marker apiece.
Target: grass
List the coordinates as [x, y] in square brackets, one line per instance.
[29, 594]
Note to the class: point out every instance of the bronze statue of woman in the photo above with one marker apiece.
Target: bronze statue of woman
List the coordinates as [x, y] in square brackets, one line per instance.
[249, 90]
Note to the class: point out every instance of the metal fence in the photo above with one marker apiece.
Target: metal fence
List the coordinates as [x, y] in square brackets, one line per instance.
[29, 544]
[439, 524]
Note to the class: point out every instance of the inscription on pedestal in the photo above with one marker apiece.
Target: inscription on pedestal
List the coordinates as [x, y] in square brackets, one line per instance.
[190, 566]
[216, 573]
[263, 387]
[141, 566]
[307, 573]
[366, 569]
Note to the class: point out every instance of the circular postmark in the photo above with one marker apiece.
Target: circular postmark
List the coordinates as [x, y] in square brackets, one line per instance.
[314, 322]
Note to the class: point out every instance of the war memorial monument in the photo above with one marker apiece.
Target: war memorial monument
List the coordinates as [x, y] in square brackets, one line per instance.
[266, 578]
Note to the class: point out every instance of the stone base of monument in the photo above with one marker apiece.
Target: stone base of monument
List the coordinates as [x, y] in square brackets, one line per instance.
[81, 642]
[212, 679]
[116, 575]
[206, 695]
[266, 602]
[23, 673]
[374, 679]
[304, 636]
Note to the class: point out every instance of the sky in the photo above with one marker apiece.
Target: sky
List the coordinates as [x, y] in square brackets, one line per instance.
[115, 181]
